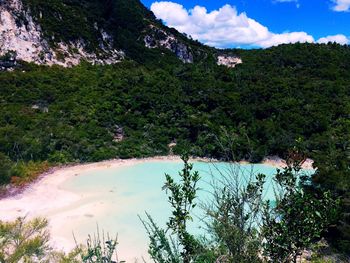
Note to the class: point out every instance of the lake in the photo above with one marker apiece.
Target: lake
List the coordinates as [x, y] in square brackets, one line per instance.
[112, 198]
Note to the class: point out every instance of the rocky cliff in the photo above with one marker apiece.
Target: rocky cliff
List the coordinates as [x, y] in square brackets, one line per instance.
[21, 35]
[67, 32]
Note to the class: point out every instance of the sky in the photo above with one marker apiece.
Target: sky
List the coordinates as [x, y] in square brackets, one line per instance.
[256, 23]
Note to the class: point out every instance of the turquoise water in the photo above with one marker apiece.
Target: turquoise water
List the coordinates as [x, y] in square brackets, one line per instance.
[121, 194]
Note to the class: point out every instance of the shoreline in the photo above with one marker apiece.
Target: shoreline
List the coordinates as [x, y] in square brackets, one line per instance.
[10, 191]
[46, 196]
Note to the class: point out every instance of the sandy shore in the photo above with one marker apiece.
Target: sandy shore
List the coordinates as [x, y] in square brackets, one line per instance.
[275, 161]
[46, 195]
[65, 171]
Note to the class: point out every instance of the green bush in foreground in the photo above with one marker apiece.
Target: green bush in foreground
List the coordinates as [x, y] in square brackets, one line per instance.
[24, 241]
[27, 241]
[298, 218]
[180, 245]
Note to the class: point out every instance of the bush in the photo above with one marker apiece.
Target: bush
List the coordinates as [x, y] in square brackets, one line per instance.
[234, 215]
[299, 217]
[6, 169]
[24, 241]
[180, 246]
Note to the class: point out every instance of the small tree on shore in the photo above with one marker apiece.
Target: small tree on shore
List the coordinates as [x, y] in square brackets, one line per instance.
[298, 218]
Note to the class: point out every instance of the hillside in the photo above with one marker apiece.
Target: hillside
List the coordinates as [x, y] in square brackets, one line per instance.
[66, 32]
[130, 86]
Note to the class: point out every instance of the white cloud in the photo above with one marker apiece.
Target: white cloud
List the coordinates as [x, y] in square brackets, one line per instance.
[341, 5]
[222, 28]
[225, 27]
[341, 39]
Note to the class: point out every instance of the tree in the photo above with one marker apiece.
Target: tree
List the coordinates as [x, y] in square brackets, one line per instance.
[298, 218]
[99, 250]
[234, 213]
[24, 241]
[179, 245]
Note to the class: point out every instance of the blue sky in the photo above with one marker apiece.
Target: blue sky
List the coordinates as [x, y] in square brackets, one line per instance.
[257, 23]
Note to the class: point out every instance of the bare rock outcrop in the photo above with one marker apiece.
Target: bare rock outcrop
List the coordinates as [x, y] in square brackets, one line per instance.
[21, 35]
[158, 38]
[229, 61]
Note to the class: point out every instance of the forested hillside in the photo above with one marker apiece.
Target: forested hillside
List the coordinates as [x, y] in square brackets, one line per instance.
[277, 96]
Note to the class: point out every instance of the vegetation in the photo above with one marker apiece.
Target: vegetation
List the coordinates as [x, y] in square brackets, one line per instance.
[280, 95]
[22, 241]
[298, 218]
[242, 228]
[179, 246]
[70, 21]
[6, 166]
[87, 21]
[276, 96]
[293, 224]
[235, 216]
[28, 241]
[99, 250]
[66, 115]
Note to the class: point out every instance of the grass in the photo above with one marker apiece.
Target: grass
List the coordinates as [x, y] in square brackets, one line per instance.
[28, 172]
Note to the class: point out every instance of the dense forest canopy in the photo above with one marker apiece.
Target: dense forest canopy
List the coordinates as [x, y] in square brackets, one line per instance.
[275, 97]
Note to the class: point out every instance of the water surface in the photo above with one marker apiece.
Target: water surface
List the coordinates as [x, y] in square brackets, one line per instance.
[116, 196]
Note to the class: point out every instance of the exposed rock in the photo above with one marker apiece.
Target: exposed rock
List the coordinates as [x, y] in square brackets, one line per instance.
[119, 134]
[229, 61]
[8, 61]
[42, 107]
[27, 41]
[182, 52]
[171, 147]
[158, 38]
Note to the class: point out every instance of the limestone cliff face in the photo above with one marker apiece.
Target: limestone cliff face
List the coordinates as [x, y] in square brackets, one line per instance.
[97, 31]
[229, 61]
[20, 35]
[158, 38]
[25, 40]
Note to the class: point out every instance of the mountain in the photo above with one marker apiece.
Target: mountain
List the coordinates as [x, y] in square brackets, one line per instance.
[66, 32]
[147, 86]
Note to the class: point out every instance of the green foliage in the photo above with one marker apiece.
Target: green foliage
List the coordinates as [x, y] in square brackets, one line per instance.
[87, 21]
[298, 218]
[235, 213]
[181, 246]
[10, 55]
[162, 248]
[22, 241]
[276, 96]
[181, 199]
[99, 250]
[6, 169]
[28, 241]
[23, 173]
[333, 174]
